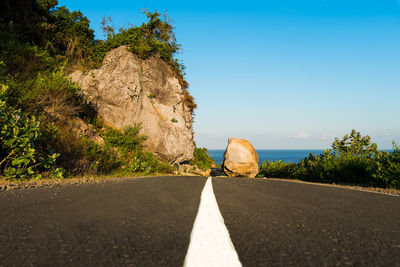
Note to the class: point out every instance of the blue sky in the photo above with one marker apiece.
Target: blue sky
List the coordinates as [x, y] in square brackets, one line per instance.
[282, 73]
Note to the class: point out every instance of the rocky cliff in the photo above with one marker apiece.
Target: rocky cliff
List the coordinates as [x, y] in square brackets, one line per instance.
[127, 90]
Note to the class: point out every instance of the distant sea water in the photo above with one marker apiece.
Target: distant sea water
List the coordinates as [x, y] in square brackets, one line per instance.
[285, 155]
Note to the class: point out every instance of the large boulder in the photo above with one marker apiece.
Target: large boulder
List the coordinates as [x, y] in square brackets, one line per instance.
[240, 159]
[127, 90]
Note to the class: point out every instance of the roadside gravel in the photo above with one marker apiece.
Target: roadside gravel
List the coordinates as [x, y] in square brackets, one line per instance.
[10, 185]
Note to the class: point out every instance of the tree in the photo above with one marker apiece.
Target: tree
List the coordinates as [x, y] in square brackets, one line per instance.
[107, 27]
[354, 144]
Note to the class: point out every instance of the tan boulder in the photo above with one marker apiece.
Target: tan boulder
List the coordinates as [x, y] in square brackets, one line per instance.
[240, 159]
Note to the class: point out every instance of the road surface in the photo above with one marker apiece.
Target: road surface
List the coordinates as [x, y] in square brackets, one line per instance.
[150, 221]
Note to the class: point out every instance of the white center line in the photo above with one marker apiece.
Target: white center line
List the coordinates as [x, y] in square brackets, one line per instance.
[210, 243]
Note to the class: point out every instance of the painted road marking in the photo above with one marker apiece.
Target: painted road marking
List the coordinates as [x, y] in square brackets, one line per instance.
[210, 244]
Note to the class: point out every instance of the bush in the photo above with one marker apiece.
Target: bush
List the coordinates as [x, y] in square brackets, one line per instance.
[156, 37]
[387, 169]
[78, 155]
[20, 157]
[146, 163]
[128, 140]
[352, 160]
[276, 169]
[23, 59]
[335, 168]
[129, 144]
[53, 92]
[201, 159]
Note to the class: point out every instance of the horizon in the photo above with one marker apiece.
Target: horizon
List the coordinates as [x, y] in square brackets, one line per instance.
[281, 74]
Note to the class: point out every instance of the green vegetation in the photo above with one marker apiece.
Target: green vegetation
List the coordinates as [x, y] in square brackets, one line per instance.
[40, 43]
[156, 37]
[78, 155]
[201, 159]
[132, 158]
[20, 150]
[352, 160]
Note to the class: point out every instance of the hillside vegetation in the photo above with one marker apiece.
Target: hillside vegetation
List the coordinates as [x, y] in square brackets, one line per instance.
[40, 44]
[352, 160]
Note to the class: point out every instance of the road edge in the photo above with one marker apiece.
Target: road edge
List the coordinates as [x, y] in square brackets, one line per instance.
[376, 190]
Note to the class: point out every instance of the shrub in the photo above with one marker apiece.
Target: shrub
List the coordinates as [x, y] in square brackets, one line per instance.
[335, 168]
[20, 157]
[352, 160]
[146, 163]
[387, 169]
[22, 59]
[154, 37]
[276, 169]
[53, 92]
[201, 159]
[78, 155]
[128, 143]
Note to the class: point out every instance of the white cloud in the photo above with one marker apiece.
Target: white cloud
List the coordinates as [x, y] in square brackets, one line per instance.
[302, 135]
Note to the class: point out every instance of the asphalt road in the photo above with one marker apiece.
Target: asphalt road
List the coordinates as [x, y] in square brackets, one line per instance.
[277, 223]
[138, 222]
[148, 221]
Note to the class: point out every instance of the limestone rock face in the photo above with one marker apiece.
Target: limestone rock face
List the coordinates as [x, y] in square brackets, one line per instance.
[240, 159]
[127, 90]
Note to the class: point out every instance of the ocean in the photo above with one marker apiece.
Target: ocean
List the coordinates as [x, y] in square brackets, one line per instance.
[285, 155]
